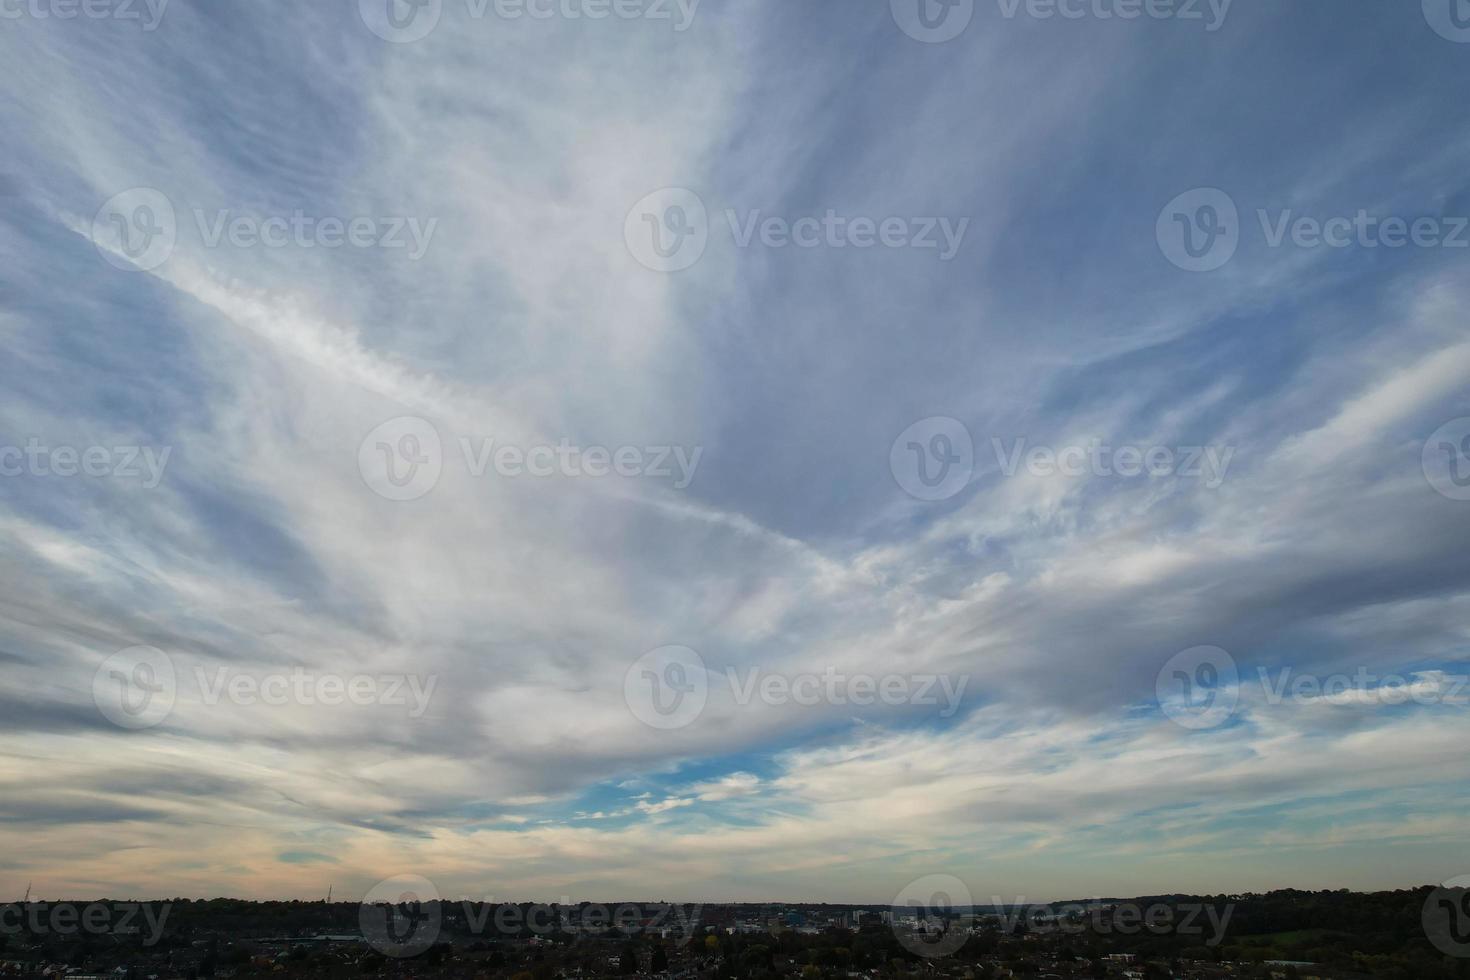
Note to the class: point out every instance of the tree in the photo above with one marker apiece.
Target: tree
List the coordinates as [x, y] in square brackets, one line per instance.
[628, 964]
[660, 962]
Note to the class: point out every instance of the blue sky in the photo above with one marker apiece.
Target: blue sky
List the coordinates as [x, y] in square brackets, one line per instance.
[501, 169]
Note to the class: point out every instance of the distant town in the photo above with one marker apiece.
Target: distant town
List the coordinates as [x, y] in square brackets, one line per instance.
[1297, 935]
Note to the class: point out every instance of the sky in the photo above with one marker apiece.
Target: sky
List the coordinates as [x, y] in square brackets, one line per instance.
[737, 451]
